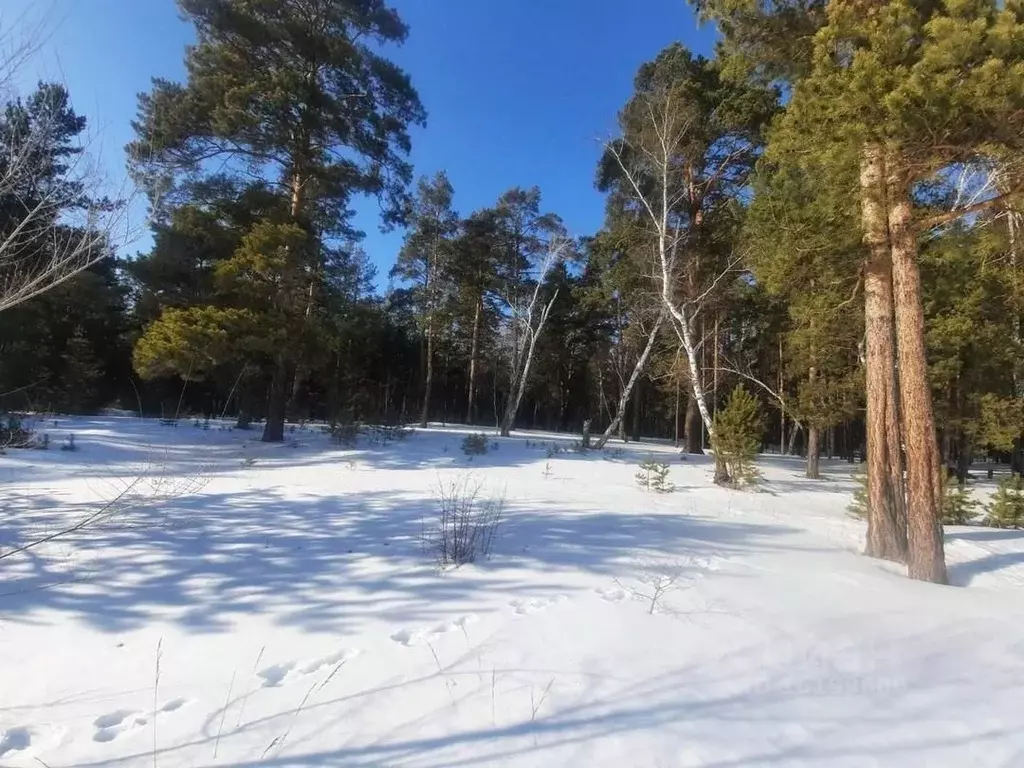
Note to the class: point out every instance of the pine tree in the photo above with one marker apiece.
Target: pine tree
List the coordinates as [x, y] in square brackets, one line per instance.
[300, 93]
[474, 271]
[806, 250]
[1006, 509]
[913, 88]
[737, 437]
[959, 507]
[653, 476]
[426, 261]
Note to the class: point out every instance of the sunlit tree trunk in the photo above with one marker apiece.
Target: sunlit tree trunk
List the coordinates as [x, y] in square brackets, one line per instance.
[886, 536]
[925, 556]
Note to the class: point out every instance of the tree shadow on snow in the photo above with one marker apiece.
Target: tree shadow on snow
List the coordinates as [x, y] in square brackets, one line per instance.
[322, 563]
[859, 717]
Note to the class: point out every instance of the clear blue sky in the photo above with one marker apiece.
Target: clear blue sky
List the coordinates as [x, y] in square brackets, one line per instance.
[518, 92]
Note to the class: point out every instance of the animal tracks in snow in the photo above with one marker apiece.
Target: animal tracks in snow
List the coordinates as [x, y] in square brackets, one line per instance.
[122, 721]
[527, 606]
[279, 674]
[411, 637]
[114, 724]
[28, 740]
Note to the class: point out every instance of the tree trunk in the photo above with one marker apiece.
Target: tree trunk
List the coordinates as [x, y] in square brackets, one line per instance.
[473, 350]
[886, 536]
[925, 557]
[277, 403]
[675, 416]
[721, 473]
[429, 378]
[641, 363]
[694, 427]
[244, 420]
[793, 434]
[782, 402]
[963, 459]
[515, 398]
[813, 441]
[637, 414]
[813, 452]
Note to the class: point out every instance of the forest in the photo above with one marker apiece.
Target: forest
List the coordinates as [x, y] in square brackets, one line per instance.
[825, 213]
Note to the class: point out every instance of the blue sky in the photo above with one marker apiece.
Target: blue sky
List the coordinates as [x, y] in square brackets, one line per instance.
[518, 92]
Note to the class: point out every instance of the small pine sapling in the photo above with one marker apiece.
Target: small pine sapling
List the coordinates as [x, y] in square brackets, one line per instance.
[653, 476]
[959, 507]
[738, 431]
[858, 506]
[474, 445]
[1007, 507]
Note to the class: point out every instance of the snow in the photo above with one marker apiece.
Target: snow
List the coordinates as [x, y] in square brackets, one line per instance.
[272, 604]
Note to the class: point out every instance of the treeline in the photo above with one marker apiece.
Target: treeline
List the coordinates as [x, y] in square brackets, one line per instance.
[826, 212]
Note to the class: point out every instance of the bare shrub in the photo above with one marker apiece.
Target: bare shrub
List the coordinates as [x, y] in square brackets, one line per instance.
[656, 578]
[15, 433]
[346, 434]
[467, 521]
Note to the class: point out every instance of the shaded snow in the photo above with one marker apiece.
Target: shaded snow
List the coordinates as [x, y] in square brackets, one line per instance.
[299, 621]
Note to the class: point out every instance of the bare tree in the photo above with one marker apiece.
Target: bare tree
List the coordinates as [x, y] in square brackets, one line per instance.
[51, 231]
[20, 40]
[56, 219]
[627, 386]
[527, 317]
[649, 163]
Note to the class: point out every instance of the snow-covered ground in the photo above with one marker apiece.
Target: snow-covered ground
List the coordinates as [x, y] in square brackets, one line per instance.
[273, 605]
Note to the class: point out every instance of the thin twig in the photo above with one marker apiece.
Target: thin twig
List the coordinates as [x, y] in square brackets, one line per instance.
[224, 714]
[156, 688]
[245, 698]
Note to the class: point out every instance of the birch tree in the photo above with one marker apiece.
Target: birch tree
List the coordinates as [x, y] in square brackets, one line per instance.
[629, 294]
[688, 141]
[527, 312]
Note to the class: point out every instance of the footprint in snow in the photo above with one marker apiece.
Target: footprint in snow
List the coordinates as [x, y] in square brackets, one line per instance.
[274, 675]
[173, 705]
[121, 721]
[15, 740]
[410, 637]
[451, 626]
[113, 724]
[278, 674]
[332, 660]
[532, 605]
[24, 740]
